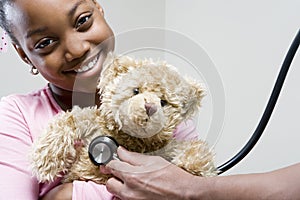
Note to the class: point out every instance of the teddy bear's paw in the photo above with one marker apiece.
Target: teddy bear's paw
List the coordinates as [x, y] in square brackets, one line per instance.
[84, 170]
[79, 143]
[45, 173]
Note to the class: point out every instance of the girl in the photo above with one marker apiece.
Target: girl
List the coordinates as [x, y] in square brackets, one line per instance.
[66, 41]
[60, 40]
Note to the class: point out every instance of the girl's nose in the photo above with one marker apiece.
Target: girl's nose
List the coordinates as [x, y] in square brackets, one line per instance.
[76, 48]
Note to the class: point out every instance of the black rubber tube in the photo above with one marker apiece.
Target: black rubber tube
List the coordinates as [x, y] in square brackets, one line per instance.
[268, 110]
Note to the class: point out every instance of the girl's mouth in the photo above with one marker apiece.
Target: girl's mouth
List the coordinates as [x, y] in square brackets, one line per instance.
[88, 65]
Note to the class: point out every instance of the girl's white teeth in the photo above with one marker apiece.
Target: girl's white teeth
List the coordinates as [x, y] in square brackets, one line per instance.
[85, 68]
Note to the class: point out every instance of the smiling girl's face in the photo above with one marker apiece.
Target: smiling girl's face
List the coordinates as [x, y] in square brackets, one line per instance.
[60, 38]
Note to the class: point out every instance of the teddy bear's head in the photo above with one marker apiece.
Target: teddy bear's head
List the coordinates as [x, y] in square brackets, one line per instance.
[143, 97]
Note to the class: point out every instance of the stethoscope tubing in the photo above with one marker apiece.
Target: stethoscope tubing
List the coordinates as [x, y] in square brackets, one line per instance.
[268, 110]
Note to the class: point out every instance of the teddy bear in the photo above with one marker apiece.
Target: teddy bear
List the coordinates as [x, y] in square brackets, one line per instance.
[142, 103]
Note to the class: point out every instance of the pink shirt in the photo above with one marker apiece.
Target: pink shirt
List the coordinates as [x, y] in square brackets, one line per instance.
[22, 119]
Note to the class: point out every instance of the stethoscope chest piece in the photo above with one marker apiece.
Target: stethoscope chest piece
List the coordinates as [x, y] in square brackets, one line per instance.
[102, 149]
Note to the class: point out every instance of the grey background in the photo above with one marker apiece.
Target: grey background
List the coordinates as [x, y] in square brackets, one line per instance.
[247, 41]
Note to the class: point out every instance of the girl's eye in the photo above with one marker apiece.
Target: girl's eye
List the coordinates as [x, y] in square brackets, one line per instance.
[82, 20]
[44, 43]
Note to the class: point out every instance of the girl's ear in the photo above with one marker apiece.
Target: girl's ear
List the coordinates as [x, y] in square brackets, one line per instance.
[21, 53]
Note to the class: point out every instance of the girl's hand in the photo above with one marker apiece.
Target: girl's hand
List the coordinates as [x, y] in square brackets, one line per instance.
[60, 192]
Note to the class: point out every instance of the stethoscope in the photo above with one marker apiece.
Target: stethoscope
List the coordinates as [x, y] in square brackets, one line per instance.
[103, 149]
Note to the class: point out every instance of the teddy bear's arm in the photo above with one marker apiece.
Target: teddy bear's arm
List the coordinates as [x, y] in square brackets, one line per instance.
[56, 150]
[195, 157]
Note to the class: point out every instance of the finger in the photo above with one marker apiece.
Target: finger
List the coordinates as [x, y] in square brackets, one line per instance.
[114, 186]
[120, 169]
[132, 157]
[135, 163]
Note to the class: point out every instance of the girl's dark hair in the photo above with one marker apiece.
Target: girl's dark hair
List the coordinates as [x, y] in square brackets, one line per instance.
[4, 23]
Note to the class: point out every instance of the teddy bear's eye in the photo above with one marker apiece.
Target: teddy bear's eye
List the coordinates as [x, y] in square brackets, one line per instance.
[136, 91]
[163, 103]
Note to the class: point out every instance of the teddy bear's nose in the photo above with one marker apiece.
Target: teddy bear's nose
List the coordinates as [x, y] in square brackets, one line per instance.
[150, 108]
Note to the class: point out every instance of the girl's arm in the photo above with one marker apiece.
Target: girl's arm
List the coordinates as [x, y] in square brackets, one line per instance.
[78, 190]
[60, 192]
[16, 181]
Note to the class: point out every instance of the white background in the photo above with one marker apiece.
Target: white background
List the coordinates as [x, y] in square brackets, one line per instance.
[247, 41]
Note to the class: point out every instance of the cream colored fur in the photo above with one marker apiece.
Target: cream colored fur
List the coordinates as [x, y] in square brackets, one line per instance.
[142, 103]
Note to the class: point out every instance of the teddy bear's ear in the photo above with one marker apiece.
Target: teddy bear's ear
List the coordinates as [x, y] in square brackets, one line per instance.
[110, 57]
[114, 66]
[194, 93]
